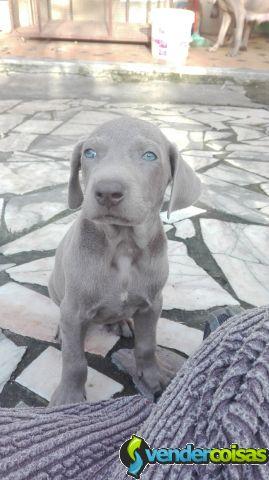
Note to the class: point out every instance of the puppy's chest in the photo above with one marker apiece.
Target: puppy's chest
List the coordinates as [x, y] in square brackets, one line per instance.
[125, 280]
[125, 286]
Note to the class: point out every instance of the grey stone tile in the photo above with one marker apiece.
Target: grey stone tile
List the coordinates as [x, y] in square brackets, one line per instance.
[180, 337]
[246, 133]
[242, 253]
[214, 120]
[200, 153]
[260, 168]
[244, 113]
[43, 375]
[167, 228]
[5, 266]
[22, 177]
[248, 122]
[232, 112]
[43, 239]
[21, 404]
[56, 146]
[242, 147]
[248, 197]
[189, 287]
[197, 137]
[93, 117]
[27, 312]
[265, 210]
[8, 122]
[199, 158]
[131, 111]
[261, 142]
[177, 120]
[27, 157]
[16, 141]
[178, 215]
[265, 187]
[85, 102]
[184, 229]
[217, 145]
[7, 104]
[33, 208]
[71, 128]
[211, 136]
[34, 106]
[179, 137]
[43, 116]
[36, 272]
[249, 155]
[38, 126]
[1, 207]
[233, 200]
[233, 175]
[99, 340]
[10, 357]
[64, 115]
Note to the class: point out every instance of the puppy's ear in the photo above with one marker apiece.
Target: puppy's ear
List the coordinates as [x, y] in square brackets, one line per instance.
[75, 195]
[186, 186]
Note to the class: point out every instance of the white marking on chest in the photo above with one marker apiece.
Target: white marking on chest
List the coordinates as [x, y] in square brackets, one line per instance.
[124, 263]
[124, 296]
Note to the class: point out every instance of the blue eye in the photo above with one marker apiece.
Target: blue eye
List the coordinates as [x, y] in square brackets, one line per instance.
[90, 153]
[149, 156]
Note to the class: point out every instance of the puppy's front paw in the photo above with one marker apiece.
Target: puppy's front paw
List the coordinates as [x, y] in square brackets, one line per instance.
[66, 396]
[155, 376]
[213, 49]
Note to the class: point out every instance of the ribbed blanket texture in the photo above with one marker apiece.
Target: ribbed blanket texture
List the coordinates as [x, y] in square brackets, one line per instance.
[220, 396]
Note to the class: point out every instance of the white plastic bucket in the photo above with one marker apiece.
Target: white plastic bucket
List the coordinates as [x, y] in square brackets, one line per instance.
[171, 34]
[5, 25]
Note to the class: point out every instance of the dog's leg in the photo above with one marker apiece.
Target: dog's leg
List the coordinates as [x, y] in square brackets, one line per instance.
[240, 20]
[156, 377]
[74, 365]
[226, 20]
[247, 31]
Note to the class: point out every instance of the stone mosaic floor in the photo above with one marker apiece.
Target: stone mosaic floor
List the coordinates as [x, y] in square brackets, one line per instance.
[218, 249]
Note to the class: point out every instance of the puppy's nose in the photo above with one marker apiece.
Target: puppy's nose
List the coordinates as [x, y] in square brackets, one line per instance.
[109, 193]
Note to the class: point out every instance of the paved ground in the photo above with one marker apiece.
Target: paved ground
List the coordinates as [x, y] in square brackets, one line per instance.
[257, 56]
[218, 249]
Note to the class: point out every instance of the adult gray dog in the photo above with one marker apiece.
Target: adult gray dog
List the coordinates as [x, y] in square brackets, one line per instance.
[112, 264]
[245, 13]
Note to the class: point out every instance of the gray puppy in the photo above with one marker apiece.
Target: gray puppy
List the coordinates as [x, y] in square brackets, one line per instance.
[112, 264]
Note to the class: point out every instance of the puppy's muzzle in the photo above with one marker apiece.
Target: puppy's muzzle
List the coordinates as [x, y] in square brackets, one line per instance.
[109, 194]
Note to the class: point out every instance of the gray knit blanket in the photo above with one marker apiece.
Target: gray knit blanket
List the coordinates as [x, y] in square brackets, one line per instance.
[219, 397]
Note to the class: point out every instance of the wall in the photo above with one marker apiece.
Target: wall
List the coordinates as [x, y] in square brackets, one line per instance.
[209, 25]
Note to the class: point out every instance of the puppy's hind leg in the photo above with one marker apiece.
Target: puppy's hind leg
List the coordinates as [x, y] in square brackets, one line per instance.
[122, 329]
[240, 20]
[154, 375]
[247, 31]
